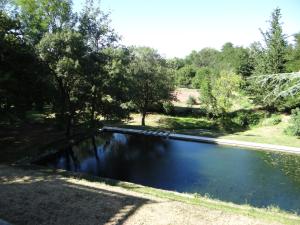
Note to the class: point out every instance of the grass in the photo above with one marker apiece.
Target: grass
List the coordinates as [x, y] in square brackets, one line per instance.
[262, 133]
[270, 134]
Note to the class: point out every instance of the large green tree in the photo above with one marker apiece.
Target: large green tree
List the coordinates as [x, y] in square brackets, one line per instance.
[269, 58]
[151, 82]
[63, 52]
[104, 64]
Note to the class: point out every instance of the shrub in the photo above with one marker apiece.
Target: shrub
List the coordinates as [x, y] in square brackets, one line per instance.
[191, 101]
[241, 119]
[247, 118]
[169, 108]
[294, 123]
[273, 120]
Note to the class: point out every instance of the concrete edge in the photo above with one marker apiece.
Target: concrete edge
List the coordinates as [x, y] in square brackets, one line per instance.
[219, 141]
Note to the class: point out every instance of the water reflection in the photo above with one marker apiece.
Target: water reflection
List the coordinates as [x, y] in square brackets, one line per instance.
[231, 174]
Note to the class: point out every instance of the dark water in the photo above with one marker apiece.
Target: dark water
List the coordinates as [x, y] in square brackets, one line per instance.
[230, 174]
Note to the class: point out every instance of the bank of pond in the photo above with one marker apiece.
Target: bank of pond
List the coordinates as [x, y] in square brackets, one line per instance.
[255, 177]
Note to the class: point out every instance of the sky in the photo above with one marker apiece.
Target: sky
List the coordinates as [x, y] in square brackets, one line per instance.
[176, 27]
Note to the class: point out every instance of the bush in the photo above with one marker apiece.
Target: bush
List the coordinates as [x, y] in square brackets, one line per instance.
[273, 120]
[191, 101]
[247, 118]
[294, 127]
[169, 108]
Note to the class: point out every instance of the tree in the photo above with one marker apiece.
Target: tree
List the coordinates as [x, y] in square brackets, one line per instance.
[41, 16]
[217, 92]
[293, 64]
[94, 25]
[151, 82]
[104, 65]
[236, 59]
[24, 85]
[185, 75]
[225, 89]
[207, 57]
[275, 45]
[63, 52]
[270, 58]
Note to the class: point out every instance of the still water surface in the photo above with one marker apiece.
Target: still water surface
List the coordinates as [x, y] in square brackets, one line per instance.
[231, 174]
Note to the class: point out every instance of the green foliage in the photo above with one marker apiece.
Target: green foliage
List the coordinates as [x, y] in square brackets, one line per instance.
[207, 57]
[273, 120]
[151, 82]
[201, 75]
[41, 16]
[94, 25]
[236, 59]
[269, 58]
[176, 63]
[62, 51]
[191, 101]
[247, 118]
[184, 76]
[225, 89]
[180, 123]
[24, 85]
[293, 64]
[217, 92]
[168, 108]
[294, 123]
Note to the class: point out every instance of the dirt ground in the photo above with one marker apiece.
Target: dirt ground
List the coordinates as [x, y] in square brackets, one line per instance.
[20, 142]
[183, 94]
[34, 197]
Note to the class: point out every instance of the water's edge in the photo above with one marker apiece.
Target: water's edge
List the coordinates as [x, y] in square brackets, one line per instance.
[219, 141]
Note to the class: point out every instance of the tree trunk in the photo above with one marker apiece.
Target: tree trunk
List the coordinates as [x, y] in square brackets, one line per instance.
[95, 147]
[68, 127]
[143, 118]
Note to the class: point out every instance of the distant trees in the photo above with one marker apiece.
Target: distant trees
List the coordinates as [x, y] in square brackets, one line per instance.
[185, 75]
[151, 82]
[218, 91]
[202, 69]
[73, 64]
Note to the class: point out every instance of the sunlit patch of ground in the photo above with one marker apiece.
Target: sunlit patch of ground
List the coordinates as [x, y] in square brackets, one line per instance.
[200, 126]
[267, 134]
[183, 94]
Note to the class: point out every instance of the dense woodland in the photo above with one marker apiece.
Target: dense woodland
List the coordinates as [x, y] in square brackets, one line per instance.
[72, 66]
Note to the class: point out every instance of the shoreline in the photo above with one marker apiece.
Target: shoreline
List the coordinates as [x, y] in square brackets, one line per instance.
[218, 141]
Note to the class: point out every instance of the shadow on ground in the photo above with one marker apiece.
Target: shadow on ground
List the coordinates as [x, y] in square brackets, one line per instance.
[50, 199]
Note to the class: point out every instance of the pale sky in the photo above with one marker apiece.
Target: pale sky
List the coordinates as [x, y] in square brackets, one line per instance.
[176, 27]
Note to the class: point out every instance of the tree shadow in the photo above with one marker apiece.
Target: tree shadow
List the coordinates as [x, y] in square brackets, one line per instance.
[33, 197]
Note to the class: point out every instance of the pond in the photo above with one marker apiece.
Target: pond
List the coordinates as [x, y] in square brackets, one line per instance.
[231, 174]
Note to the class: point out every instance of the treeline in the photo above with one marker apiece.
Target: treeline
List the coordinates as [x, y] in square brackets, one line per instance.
[72, 64]
[221, 74]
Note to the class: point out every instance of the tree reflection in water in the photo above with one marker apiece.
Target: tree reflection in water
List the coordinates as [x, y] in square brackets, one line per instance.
[289, 164]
